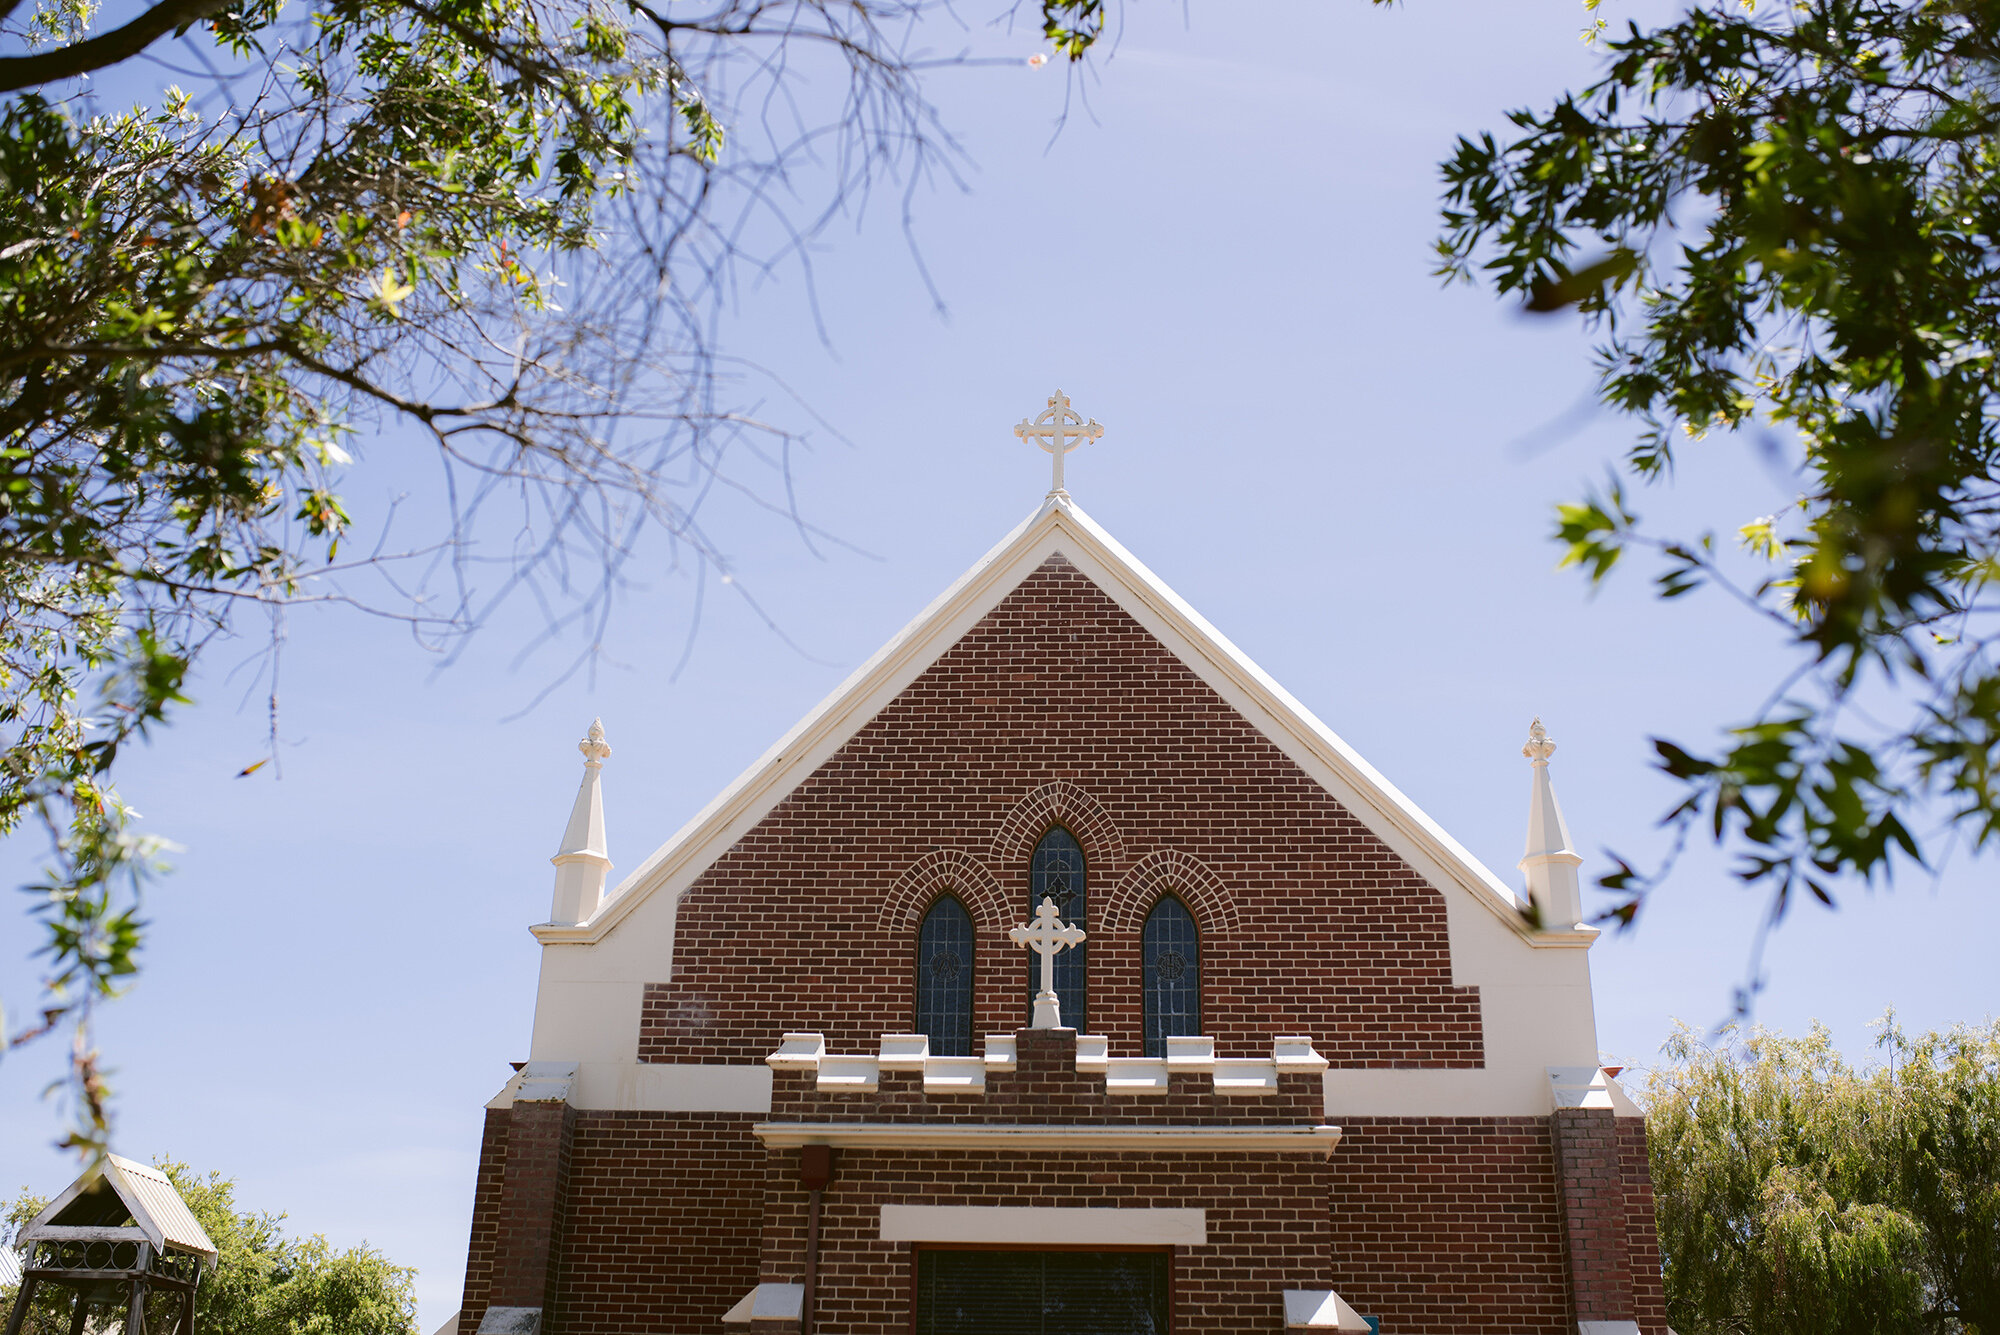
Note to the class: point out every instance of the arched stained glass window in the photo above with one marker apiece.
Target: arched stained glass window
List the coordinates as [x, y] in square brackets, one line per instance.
[1171, 950]
[944, 978]
[1057, 873]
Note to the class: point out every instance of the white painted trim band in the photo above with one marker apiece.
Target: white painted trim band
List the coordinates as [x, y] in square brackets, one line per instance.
[1055, 1226]
[1041, 1136]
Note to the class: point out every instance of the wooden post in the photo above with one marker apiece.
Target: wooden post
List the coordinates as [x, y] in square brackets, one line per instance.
[21, 1301]
[135, 1311]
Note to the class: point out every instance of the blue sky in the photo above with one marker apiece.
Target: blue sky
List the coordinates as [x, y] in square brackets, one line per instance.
[1348, 468]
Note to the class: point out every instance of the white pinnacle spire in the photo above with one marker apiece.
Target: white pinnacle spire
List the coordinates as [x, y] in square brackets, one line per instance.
[583, 862]
[1549, 860]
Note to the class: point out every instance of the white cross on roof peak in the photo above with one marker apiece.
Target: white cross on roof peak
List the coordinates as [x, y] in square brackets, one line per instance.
[1059, 429]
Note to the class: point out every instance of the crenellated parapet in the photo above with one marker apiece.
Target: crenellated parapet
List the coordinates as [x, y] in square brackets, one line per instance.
[1242, 1077]
[1053, 1076]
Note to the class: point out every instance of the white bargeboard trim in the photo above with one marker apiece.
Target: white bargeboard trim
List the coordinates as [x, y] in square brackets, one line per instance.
[1059, 527]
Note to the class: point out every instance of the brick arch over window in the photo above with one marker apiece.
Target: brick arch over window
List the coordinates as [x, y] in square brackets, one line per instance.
[1069, 806]
[1170, 872]
[947, 871]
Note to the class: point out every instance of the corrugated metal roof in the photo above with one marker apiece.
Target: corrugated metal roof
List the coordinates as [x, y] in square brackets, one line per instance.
[157, 1207]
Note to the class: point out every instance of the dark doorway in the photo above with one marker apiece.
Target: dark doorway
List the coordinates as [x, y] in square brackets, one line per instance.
[1041, 1293]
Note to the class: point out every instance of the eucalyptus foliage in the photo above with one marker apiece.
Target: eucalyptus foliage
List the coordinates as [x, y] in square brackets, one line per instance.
[265, 1282]
[1799, 1195]
[1782, 222]
[500, 231]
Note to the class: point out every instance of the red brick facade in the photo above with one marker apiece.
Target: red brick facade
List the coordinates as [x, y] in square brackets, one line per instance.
[1057, 707]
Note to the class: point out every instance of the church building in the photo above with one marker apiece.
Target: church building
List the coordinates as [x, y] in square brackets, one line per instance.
[1061, 974]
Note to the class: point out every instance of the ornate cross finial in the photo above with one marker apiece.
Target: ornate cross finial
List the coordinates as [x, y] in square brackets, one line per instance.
[1539, 747]
[1059, 430]
[593, 745]
[1046, 936]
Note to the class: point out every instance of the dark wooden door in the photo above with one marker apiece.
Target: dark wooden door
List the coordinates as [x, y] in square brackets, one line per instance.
[1041, 1293]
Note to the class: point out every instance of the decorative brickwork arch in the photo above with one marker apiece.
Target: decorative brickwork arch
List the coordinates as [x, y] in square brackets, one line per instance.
[1184, 876]
[935, 873]
[1065, 804]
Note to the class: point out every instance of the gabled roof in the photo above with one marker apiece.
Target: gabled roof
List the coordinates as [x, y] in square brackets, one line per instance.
[1059, 527]
[121, 1193]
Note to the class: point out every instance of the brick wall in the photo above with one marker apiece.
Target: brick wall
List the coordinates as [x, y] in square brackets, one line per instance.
[663, 1229]
[1432, 1224]
[1266, 1212]
[1059, 691]
[1267, 1225]
[1449, 1225]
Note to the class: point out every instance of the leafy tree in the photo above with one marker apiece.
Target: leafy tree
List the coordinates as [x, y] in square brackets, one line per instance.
[266, 1282]
[1796, 1193]
[1782, 222]
[502, 231]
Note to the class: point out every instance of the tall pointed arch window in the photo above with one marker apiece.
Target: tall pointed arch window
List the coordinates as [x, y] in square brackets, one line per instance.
[1170, 950]
[1057, 873]
[944, 978]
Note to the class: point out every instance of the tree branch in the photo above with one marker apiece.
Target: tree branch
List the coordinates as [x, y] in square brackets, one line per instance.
[106, 49]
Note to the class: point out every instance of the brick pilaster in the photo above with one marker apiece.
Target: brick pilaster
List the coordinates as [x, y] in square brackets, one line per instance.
[1590, 1184]
[531, 1205]
[1642, 1237]
[1611, 1244]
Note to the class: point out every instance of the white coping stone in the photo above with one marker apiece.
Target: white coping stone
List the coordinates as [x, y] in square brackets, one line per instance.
[1250, 1077]
[511, 1321]
[1191, 1054]
[1091, 1052]
[1001, 1052]
[1607, 1328]
[798, 1052]
[1320, 1309]
[545, 1082]
[1134, 1075]
[955, 1075]
[1590, 1087]
[1295, 1052]
[849, 1075]
[1040, 1224]
[904, 1052]
[768, 1302]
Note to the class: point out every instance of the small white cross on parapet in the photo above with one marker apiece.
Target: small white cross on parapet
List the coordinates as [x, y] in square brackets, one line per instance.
[1059, 430]
[1045, 936]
